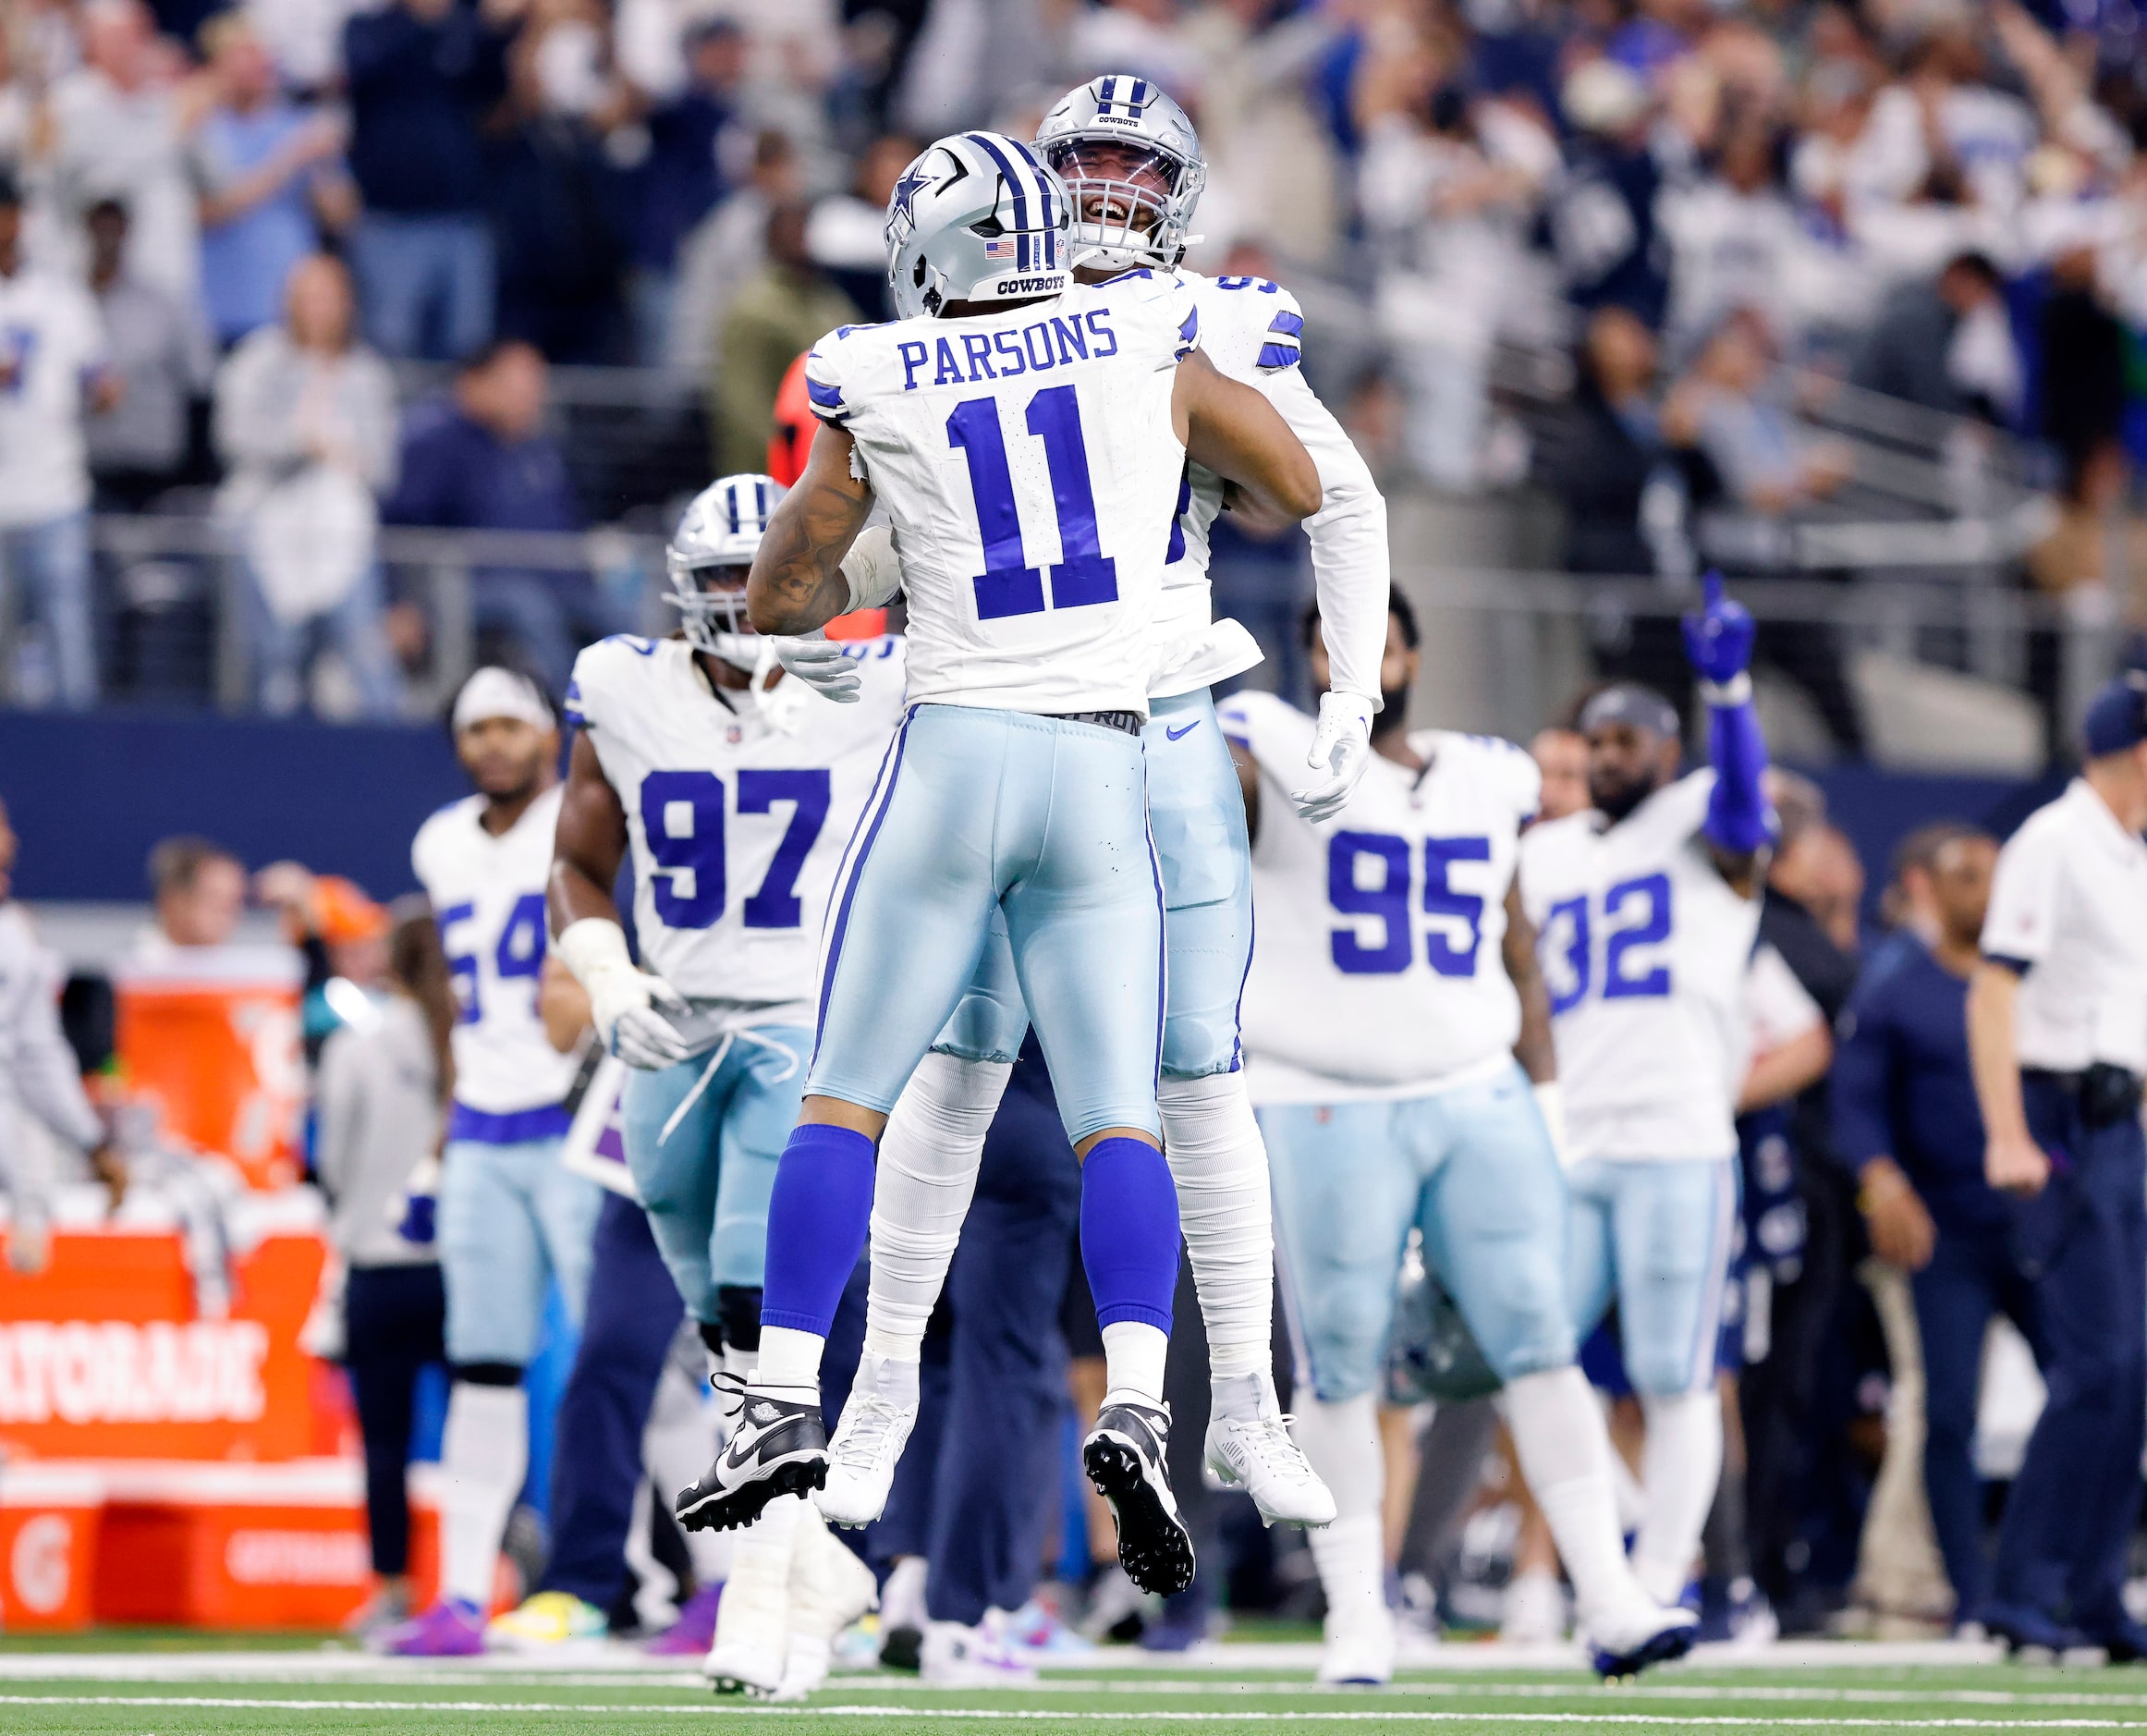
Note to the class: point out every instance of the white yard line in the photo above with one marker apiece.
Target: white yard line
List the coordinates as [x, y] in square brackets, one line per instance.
[233, 1703]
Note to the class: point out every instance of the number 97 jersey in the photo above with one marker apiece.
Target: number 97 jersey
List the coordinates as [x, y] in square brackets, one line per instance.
[737, 812]
[1644, 949]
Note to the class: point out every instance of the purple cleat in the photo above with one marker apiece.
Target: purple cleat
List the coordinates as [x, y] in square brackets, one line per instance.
[449, 1629]
[694, 1631]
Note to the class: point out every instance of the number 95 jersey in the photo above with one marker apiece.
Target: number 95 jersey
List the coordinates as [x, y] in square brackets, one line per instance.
[1376, 970]
[1644, 948]
[736, 816]
[1029, 462]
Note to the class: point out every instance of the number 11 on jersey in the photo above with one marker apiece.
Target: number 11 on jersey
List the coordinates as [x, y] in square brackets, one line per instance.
[1010, 585]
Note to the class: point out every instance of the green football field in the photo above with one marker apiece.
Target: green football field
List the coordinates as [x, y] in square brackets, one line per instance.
[172, 1689]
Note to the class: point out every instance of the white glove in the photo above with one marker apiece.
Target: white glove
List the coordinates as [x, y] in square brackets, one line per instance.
[1341, 749]
[872, 568]
[823, 664]
[622, 999]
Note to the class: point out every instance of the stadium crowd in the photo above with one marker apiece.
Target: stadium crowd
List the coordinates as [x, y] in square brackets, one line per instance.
[255, 209]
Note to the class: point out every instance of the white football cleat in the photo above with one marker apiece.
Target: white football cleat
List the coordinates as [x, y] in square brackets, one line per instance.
[1535, 1610]
[752, 1623]
[830, 1588]
[1360, 1652]
[1249, 1448]
[1624, 1642]
[869, 1440]
[956, 1656]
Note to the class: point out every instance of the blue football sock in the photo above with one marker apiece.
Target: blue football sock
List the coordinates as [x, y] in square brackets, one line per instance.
[1129, 1232]
[819, 1213]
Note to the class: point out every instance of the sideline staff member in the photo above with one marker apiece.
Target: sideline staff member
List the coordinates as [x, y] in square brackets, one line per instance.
[2058, 1035]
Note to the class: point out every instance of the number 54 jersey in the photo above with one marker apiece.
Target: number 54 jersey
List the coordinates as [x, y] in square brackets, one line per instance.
[1030, 465]
[1376, 971]
[1644, 948]
[738, 811]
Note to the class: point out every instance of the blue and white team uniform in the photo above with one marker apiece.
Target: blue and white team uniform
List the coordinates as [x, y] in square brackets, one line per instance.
[1251, 329]
[1026, 459]
[1645, 946]
[1379, 1030]
[739, 806]
[511, 1218]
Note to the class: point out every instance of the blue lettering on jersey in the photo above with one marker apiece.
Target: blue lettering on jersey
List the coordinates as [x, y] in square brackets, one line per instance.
[1012, 360]
[1640, 911]
[682, 817]
[910, 363]
[517, 952]
[977, 347]
[950, 371]
[1266, 286]
[1095, 321]
[1389, 901]
[1072, 340]
[1030, 334]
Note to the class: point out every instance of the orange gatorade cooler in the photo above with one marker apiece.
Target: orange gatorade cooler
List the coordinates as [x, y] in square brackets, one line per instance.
[49, 1521]
[210, 1036]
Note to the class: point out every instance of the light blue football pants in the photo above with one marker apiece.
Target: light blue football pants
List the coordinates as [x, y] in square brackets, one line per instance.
[511, 1219]
[1472, 1167]
[701, 1141]
[1196, 812]
[1040, 824]
[1656, 1237]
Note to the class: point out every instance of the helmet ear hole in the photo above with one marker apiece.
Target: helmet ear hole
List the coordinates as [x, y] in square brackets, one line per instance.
[917, 273]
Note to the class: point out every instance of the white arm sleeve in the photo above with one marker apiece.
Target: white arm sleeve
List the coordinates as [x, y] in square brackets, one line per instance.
[47, 1080]
[1348, 532]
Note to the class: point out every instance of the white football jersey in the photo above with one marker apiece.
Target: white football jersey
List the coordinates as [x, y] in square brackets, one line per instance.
[1376, 970]
[1027, 462]
[51, 336]
[1645, 949]
[488, 897]
[1250, 328]
[736, 825]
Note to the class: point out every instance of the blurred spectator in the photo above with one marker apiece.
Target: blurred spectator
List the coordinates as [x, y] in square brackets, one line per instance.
[119, 123]
[1768, 460]
[788, 306]
[682, 176]
[1605, 446]
[847, 231]
[558, 199]
[1907, 1123]
[160, 358]
[383, 1093]
[480, 459]
[725, 249]
[420, 72]
[2085, 353]
[272, 179]
[52, 355]
[1602, 217]
[1449, 200]
[200, 892]
[306, 420]
[1735, 242]
[1561, 756]
[1945, 343]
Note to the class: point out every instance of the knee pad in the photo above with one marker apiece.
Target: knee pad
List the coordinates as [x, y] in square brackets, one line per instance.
[738, 1308]
[489, 1374]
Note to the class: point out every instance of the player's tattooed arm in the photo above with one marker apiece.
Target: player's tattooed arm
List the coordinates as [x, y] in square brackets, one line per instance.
[589, 846]
[797, 583]
[1248, 785]
[1239, 436]
[1533, 1049]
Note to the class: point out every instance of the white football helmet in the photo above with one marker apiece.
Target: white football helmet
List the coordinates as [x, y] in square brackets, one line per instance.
[707, 560]
[976, 218]
[1131, 162]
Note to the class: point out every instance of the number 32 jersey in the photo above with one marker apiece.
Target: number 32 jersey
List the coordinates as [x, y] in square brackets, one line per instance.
[737, 818]
[1029, 466]
[1376, 969]
[1644, 948]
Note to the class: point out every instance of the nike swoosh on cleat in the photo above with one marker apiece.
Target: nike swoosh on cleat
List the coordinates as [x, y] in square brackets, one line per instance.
[782, 1439]
[1177, 735]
